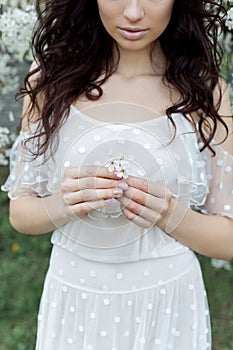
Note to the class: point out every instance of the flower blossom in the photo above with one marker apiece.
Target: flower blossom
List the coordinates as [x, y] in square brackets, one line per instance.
[221, 264]
[229, 20]
[120, 165]
[6, 139]
[16, 27]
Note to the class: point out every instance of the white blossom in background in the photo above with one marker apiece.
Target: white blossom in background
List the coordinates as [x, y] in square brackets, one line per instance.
[16, 3]
[227, 44]
[221, 264]
[6, 139]
[229, 20]
[16, 28]
[16, 25]
[9, 80]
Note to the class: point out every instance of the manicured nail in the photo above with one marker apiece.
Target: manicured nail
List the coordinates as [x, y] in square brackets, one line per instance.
[108, 200]
[123, 186]
[118, 191]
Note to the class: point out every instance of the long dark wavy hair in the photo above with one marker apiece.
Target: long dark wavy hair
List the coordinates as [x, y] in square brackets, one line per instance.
[75, 56]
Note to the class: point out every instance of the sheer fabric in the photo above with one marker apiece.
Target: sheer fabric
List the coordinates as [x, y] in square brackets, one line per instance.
[220, 198]
[27, 176]
[197, 179]
[111, 284]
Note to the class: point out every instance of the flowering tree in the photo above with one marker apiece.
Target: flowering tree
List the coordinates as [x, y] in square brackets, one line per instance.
[16, 25]
[17, 19]
[226, 40]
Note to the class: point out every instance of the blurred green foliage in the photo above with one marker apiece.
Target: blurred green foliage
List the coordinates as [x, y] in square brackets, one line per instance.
[23, 263]
[24, 260]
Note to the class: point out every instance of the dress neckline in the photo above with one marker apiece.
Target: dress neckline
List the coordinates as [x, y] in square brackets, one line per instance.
[139, 123]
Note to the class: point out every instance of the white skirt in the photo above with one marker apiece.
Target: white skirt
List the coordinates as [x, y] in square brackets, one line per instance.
[146, 305]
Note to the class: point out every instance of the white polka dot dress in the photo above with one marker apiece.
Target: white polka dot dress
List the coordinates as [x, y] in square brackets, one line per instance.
[111, 284]
[94, 305]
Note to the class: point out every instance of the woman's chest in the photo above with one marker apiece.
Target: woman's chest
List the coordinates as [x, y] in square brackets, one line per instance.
[151, 149]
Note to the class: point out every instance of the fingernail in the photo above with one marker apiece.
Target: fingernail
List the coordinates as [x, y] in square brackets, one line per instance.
[118, 191]
[108, 200]
[123, 186]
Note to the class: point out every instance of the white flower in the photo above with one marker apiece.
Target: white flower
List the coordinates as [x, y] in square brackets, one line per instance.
[16, 27]
[6, 140]
[9, 79]
[122, 174]
[110, 165]
[120, 165]
[229, 20]
[4, 137]
[3, 159]
[221, 264]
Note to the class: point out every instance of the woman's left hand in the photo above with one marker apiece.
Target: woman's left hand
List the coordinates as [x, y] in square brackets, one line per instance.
[145, 203]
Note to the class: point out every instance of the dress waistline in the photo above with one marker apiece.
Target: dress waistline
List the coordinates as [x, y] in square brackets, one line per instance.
[99, 277]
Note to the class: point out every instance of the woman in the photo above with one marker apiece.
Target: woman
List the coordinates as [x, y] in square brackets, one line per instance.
[120, 112]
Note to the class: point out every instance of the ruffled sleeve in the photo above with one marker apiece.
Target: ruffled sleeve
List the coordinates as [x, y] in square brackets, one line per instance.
[27, 176]
[220, 198]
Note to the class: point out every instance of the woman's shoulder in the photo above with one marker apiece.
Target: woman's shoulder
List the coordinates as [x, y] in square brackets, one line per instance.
[31, 116]
[223, 103]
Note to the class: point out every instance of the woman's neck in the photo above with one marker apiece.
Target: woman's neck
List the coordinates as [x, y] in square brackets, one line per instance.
[137, 63]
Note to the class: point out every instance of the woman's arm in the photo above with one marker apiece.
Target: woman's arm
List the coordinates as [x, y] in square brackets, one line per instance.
[147, 204]
[210, 235]
[35, 215]
[83, 189]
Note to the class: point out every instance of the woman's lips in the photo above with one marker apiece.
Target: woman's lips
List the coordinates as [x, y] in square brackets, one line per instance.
[132, 33]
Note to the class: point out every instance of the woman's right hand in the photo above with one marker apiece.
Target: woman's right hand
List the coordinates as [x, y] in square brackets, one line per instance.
[87, 188]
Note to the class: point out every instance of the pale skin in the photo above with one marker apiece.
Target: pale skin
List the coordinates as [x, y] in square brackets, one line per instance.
[144, 203]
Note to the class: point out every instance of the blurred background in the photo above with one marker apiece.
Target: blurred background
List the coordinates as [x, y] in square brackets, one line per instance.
[24, 259]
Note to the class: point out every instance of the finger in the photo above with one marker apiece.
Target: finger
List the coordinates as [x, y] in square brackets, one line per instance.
[81, 209]
[147, 200]
[138, 220]
[155, 188]
[138, 196]
[90, 171]
[139, 210]
[74, 185]
[87, 195]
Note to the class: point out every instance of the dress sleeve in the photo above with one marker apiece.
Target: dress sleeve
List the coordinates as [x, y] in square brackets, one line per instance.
[27, 176]
[220, 198]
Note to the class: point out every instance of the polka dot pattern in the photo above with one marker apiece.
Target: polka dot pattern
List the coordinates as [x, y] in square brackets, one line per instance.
[72, 309]
[142, 340]
[119, 276]
[83, 304]
[103, 333]
[149, 306]
[106, 301]
[117, 319]
[92, 273]
[67, 164]
[84, 296]
[163, 291]
[70, 341]
[81, 328]
[82, 149]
